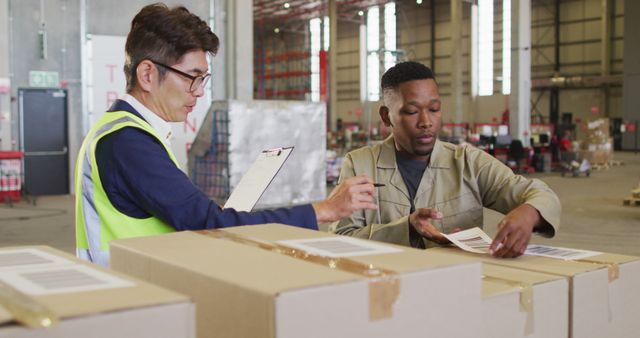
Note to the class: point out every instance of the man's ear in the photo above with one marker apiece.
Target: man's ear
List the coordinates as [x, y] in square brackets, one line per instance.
[384, 115]
[146, 72]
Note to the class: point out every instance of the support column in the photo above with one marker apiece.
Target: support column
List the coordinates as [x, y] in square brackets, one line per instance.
[5, 90]
[333, 61]
[433, 35]
[520, 98]
[554, 92]
[605, 51]
[631, 73]
[456, 60]
[233, 66]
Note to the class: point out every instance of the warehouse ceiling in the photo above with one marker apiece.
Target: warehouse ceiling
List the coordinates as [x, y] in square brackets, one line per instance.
[268, 12]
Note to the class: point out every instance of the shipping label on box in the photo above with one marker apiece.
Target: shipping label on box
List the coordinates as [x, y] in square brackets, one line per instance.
[57, 295]
[271, 281]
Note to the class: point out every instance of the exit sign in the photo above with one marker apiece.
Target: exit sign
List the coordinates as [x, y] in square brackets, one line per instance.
[44, 79]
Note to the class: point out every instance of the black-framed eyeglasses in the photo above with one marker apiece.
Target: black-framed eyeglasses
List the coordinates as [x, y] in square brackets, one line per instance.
[196, 81]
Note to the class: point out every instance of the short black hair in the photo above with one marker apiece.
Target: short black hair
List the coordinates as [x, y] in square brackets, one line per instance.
[405, 72]
[164, 34]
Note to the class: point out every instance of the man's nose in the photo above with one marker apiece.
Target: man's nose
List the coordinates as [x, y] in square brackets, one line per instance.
[424, 120]
[199, 92]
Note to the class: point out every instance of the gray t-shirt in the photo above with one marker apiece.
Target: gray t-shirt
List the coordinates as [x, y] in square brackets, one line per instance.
[412, 171]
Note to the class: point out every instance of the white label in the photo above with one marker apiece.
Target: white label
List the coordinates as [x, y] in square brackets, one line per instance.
[61, 279]
[339, 247]
[30, 259]
[36, 272]
[559, 253]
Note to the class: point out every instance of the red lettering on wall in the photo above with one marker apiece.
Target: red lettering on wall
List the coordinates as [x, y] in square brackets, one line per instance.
[111, 98]
[111, 68]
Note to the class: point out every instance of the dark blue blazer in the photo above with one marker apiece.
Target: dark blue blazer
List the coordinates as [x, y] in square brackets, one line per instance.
[141, 180]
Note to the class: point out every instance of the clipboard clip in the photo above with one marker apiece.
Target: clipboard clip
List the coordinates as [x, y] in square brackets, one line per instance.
[273, 152]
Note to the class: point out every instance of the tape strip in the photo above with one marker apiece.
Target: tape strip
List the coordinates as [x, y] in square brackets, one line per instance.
[614, 268]
[526, 298]
[384, 285]
[26, 310]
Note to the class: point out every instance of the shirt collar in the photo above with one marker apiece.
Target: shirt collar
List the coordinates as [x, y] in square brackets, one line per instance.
[161, 126]
[387, 157]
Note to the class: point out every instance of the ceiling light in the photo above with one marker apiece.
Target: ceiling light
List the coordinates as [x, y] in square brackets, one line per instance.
[360, 13]
[286, 5]
[277, 30]
[419, 2]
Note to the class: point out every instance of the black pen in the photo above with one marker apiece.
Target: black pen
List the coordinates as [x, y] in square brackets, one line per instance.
[377, 185]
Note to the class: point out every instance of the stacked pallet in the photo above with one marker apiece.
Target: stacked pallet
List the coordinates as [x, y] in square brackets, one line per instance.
[597, 147]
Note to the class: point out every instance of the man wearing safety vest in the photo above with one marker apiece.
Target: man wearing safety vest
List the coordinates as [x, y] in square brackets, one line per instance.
[128, 182]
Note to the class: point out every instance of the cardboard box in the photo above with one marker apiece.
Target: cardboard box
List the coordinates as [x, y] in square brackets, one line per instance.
[519, 303]
[255, 289]
[604, 290]
[88, 300]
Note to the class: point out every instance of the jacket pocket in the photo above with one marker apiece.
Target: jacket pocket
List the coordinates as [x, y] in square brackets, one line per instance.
[463, 211]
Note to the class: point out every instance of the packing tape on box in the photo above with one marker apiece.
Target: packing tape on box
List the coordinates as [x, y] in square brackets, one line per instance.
[384, 285]
[26, 310]
[526, 298]
[614, 269]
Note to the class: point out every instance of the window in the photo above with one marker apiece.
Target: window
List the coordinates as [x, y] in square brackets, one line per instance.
[373, 59]
[326, 32]
[506, 47]
[485, 47]
[389, 35]
[314, 28]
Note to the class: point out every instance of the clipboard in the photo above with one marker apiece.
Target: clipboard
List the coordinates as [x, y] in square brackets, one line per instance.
[256, 180]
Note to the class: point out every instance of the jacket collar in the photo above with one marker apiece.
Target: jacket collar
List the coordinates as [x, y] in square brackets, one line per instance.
[387, 158]
[122, 105]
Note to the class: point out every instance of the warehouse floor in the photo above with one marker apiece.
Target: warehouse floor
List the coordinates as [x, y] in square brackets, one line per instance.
[593, 214]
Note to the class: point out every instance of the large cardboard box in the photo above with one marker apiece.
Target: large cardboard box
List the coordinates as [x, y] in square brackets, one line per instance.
[257, 287]
[604, 297]
[518, 303]
[88, 301]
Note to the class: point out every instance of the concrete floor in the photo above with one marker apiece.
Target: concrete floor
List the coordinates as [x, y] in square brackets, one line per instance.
[593, 215]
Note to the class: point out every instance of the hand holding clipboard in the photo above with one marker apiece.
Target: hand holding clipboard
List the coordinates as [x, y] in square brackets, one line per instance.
[256, 180]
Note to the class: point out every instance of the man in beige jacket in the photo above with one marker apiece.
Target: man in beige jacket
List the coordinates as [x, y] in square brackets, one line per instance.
[434, 187]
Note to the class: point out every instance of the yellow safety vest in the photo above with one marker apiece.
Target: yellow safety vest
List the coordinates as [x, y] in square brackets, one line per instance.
[97, 220]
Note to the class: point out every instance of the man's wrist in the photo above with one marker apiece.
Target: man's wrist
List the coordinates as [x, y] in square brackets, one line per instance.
[322, 212]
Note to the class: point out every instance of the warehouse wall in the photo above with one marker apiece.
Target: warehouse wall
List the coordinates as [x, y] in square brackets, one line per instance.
[632, 74]
[580, 55]
[580, 41]
[62, 19]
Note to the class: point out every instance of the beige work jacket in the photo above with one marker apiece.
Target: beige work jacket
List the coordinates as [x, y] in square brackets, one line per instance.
[458, 181]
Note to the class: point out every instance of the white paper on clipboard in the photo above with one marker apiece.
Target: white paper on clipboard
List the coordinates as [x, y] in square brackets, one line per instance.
[256, 180]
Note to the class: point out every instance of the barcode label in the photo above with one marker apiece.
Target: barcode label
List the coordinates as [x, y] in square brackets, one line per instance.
[472, 240]
[72, 278]
[559, 253]
[37, 272]
[29, 258]
[339, 247]
[476, 243]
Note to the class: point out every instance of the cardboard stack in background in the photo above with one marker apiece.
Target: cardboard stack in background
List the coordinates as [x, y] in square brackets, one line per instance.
[88, 300]
[518, 303]
[604, 297]
[597, 148]
[254, 290]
